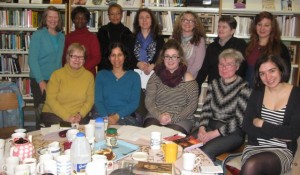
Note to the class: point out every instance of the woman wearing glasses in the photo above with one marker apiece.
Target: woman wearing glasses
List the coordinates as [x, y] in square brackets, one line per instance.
[70, 90]
[224, 107]
[225, 40]
[172, 92]
[189, 31]
[147, 40]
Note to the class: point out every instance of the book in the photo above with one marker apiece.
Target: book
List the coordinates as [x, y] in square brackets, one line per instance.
[239, 4]
[151, 168]
[188, 143]
[293, 50]
[211, 169]
[268, 4]
[287, 5]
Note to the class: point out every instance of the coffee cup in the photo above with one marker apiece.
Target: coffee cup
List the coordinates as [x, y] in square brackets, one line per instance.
[155, 140]
[64, 165]
[47, 166]
[96, 168]
[22, 169]
[32, 164]
[54, 151]
[170, 150]
[190, 161]
[89, 130]
[10, 164]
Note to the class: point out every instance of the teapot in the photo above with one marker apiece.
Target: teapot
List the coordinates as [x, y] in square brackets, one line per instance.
[22, 148]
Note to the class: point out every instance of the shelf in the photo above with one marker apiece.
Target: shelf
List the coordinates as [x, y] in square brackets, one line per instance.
[31, 6]
[254, 12]
[13, 52]
[183, 9]
[15, 75]
[15, 28]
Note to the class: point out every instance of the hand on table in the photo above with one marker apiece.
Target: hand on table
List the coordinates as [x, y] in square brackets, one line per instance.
[165, 118]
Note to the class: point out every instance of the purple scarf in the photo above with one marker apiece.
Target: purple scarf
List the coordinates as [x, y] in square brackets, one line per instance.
[168, 78]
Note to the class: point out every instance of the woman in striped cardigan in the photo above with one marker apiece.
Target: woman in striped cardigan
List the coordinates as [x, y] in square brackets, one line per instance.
[171, 92]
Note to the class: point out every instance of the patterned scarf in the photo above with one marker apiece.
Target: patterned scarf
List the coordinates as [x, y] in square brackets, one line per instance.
[144, 44]
[168, 78]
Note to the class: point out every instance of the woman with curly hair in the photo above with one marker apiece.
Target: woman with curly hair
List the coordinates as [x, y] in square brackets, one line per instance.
[264, 40]
[189, 31]
[147, 40]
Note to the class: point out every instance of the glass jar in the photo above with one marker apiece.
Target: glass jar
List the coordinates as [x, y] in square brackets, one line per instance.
[111, 137]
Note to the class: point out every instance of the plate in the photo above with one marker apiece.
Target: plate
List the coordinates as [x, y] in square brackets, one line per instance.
[140, 156]
[43, 150]
[114, 156]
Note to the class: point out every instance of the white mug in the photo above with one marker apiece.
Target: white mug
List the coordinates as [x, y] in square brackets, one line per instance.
[190, 161]
[155, 140]
[89, 130]
[22, 169]
[47, 166]
[54, 150]
[20, 130]
[64, 165]
[32, 163]
[96, 168]
[44, 157]
[10, 164]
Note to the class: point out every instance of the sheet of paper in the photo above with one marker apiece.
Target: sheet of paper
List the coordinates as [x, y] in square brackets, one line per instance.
[144, 77]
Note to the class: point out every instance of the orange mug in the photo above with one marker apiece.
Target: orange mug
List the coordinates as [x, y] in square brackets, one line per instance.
[170, 150]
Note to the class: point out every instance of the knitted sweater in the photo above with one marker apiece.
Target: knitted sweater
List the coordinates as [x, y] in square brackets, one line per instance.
[44, 55]
[69, 92]
[180, 101]
[226, 103]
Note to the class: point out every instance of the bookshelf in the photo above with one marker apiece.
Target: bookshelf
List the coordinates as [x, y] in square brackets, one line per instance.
[289, 22]
[18, 21]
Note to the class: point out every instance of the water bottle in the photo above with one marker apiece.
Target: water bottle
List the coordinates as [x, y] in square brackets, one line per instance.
[99, 129]
[80, 153]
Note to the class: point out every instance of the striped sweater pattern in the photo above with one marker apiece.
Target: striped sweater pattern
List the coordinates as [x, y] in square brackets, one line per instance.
[226, 103]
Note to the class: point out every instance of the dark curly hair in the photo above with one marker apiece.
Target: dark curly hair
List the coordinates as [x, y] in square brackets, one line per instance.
[155, 29]
[80, 9]
[126, 65]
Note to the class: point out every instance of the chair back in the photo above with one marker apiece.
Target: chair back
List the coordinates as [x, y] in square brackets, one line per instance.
[8, 101]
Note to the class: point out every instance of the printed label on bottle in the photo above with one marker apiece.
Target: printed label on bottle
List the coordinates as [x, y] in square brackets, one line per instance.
[80, 167]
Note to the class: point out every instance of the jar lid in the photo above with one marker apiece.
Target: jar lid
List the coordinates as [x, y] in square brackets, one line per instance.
[111, 131]
[80, 134]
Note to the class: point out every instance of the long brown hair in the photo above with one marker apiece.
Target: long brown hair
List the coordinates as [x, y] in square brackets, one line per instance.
[198, 30]
[273, 45]
[43, 22]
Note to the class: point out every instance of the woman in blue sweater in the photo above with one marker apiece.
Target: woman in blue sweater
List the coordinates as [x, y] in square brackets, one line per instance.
[45, 52]
[118, 89]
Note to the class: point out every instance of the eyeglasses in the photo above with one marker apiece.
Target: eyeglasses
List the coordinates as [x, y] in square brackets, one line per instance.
[173, 58]
[227, 66]
[114, 14]
[188, 21]
[77, 57]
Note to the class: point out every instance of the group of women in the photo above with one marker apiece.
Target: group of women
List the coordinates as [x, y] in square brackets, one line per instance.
[267, 114]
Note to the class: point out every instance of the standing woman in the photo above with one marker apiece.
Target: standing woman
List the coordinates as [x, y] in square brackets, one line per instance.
[189, 31]
[118, 89]
[80, 17]
[225, 40]
[264, 40]
[271, 120]
[147, 41]
[172, 92]
[45, 53]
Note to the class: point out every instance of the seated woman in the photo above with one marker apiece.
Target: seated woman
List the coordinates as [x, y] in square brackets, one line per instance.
[118, 89]
[223, 110]
[70, 91]
[171, 92]
[271, 120]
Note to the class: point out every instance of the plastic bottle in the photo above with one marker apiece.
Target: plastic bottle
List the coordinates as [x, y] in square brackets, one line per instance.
[80, 153]
[99, 129]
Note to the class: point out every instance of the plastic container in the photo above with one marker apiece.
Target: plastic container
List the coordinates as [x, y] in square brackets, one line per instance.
[80, 153]
[99, 129]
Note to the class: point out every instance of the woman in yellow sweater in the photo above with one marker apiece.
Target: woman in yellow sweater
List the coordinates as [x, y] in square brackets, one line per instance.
[70, 90]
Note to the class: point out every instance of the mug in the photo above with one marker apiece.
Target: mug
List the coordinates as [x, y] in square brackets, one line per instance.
[32, 164]
[47, 166]
[96, 168]
[22, 169]
[64, 165]
[10, 164]
[54, 149]
[170, 150]
[155, 140]
[190, 161]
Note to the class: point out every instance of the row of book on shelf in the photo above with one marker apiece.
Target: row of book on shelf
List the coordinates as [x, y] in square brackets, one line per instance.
[15, 41]
[14, 64]
[20, 18]
[22, 83]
